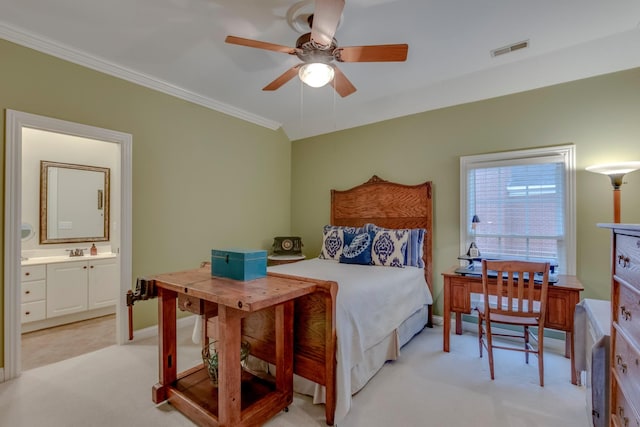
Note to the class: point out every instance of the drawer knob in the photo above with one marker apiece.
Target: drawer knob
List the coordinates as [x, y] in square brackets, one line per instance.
[27, 273]
[27, 313]
[621, 414]
[27, 292]
[621, 364]
[625, 313]
[625, 261]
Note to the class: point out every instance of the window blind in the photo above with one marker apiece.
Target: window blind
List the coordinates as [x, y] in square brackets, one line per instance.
[521, 207]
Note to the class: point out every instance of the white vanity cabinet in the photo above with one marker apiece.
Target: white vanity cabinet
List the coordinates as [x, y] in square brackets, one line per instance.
[67, 288]
[33, 286]
[103, 283]
[77, 286]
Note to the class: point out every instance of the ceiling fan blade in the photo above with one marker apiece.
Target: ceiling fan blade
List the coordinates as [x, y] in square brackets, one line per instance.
[341, 83]
[283, 78]
[260, 45]
[375, 53]
[326, 17]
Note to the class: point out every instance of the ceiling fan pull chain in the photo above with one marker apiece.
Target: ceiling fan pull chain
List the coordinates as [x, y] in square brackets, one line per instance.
[334, 111]
[301, 105]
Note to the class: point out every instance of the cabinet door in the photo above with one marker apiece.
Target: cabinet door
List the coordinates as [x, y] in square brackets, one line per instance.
[66, 288]
[103, 282]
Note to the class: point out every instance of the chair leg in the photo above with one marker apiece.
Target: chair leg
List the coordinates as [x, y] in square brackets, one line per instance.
[526, 344]
[541, 355]
[490, 347]
[480, 333]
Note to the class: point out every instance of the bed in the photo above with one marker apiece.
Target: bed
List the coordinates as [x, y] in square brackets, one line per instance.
[340, 338]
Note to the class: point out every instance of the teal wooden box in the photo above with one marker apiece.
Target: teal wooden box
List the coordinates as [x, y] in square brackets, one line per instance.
[239, 264]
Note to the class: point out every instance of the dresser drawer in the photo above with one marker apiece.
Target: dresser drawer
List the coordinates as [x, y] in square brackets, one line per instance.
[33, 272]
[627, 259]
[32, 311]
[628, 310]
[624, 413]
[34, 291]
[626, 362]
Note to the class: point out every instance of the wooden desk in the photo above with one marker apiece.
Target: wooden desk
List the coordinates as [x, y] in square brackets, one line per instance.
[240, 399]
[562, 298]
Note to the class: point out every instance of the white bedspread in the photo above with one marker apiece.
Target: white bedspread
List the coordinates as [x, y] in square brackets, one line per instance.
[372, 302]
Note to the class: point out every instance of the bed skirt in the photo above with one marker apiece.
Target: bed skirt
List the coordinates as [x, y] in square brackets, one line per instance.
[375, 357]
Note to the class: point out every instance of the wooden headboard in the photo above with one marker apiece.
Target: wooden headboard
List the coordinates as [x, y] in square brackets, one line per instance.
[388, 205]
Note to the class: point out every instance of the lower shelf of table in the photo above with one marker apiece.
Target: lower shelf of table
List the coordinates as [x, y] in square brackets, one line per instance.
[195, 396]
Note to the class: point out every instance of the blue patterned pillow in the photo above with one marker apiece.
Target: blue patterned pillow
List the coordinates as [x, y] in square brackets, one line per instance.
[389, 247]
[332, 243]
[333, 240]
[415, 244]
[357, 248]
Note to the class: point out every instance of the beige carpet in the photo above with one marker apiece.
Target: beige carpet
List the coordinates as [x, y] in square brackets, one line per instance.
[426, 387]
[52, 345]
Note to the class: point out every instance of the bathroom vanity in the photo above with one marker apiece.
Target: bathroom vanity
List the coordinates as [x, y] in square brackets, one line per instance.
[63, 289]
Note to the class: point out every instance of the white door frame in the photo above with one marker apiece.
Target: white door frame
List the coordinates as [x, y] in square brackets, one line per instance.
[15, 121]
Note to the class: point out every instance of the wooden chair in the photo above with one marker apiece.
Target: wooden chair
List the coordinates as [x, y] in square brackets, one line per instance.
[518, 304]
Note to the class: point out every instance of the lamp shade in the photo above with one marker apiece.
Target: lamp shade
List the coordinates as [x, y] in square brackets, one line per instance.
[316, 74]
[615, 171]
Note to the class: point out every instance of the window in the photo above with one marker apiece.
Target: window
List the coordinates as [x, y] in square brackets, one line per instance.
[525, 203]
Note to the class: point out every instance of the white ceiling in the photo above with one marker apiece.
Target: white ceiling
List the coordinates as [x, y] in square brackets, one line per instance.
[177, 46]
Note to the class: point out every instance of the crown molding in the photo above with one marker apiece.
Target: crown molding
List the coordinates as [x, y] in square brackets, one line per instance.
[84, 59]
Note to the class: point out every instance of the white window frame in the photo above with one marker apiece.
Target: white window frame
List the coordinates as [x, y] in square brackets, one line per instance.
[567, 260]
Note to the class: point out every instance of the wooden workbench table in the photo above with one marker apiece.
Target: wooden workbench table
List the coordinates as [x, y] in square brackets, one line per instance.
[240, 399]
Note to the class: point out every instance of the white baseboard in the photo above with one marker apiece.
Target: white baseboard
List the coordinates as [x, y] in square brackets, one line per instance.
[437, 320]
[66, 319]
[152, 331]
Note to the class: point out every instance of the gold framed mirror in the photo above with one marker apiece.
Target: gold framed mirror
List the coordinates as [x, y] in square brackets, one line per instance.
[74, 203]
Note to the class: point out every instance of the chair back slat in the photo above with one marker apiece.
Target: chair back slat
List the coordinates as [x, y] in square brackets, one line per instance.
[515, 288]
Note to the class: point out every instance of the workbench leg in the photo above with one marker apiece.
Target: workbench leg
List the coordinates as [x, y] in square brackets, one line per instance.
[284, 348]
[166, 344]
[229, 371]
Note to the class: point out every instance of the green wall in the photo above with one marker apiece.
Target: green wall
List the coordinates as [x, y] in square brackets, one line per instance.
[201, 179]
[600, 115]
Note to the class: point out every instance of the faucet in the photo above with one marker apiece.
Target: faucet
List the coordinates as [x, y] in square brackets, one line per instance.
[76, 252]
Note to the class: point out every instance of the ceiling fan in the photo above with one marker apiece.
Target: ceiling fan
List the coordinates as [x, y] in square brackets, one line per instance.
[318, 49]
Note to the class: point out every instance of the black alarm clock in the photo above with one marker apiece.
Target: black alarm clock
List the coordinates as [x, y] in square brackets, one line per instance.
[288, 245]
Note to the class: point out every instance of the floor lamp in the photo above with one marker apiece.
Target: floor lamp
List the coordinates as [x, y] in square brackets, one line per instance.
[615, 171]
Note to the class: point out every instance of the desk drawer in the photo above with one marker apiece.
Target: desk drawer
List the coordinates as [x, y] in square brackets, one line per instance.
[626, 362]
[627, 259]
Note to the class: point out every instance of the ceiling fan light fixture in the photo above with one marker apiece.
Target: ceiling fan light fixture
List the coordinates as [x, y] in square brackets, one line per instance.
[316, 74]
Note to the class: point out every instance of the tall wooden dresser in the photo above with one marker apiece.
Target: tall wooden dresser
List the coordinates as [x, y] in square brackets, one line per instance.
[625, 325]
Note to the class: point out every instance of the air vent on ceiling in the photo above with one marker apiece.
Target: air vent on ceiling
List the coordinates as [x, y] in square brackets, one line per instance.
[511, 48]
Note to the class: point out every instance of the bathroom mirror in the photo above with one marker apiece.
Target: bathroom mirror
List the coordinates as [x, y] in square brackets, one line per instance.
[74, 203]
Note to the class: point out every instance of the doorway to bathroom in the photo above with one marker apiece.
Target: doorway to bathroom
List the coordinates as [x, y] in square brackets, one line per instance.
[84, 145]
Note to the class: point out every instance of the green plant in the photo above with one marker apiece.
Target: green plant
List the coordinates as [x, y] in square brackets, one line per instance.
[210, 359]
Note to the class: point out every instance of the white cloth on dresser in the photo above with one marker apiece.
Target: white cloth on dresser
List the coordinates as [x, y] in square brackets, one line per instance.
[597, 314]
